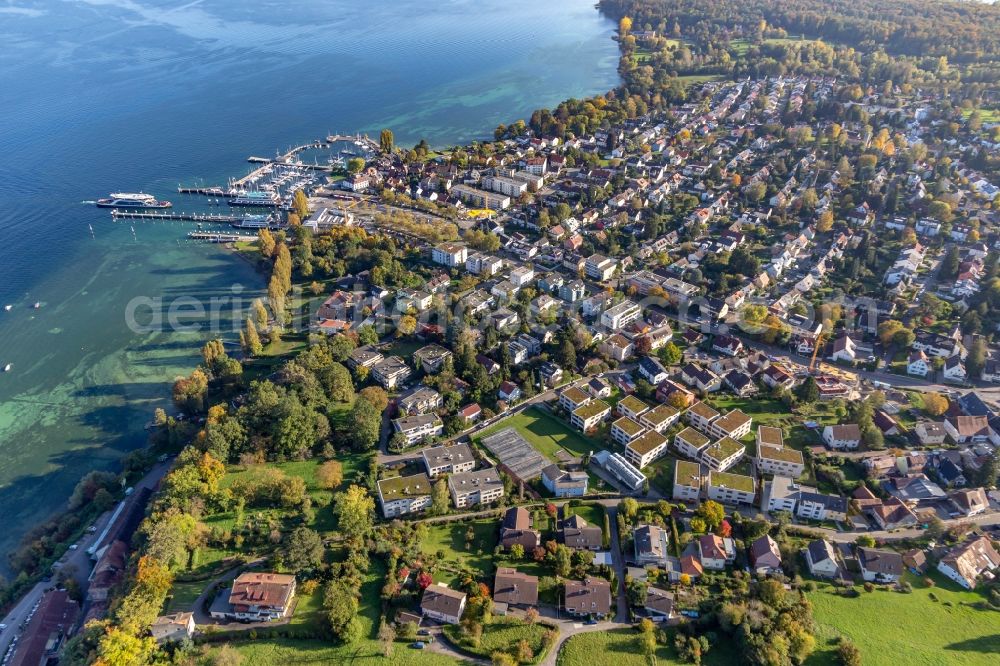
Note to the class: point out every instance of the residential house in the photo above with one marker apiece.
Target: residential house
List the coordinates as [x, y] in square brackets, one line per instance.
[652, 370]
[970, 502]
[452, 255]
[841, 437]
[509, 392]
[618, 316]
[564, 484]
[515, 528]
[968, 429]
[918, 364]
[514, 588]
[691, 442]
[443, 604]
[971, 559]
[174, 627]
[892, 514]
[419, 400]
[617, 347]
[822, 559]
[765, 557]
[723, 454]
[715, 552]
[700, 378]
[577, 533]
[261, 597]
[590, 598]
[659, 604]
[930, 433]
[660, 418]
[651, 545]
[880, 566]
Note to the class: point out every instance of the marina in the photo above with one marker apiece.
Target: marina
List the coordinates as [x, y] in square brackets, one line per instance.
[209, 218]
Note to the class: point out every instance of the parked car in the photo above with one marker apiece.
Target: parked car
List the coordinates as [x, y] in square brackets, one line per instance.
[419, 645]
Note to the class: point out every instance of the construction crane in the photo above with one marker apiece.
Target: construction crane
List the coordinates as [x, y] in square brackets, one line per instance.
[816, 347]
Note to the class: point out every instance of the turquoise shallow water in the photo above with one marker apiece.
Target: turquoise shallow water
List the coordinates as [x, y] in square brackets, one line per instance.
[102, 95]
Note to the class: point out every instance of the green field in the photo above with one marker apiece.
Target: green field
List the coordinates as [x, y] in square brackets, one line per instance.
[592, 513]
[888, 625]
[618, 646]
[546, 433]
[449, 539]
[183, 596]
[365, 652]
[502, 635]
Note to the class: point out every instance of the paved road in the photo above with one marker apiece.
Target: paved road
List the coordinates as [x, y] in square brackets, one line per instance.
[983, 520]
[617, 561]
[76, 560]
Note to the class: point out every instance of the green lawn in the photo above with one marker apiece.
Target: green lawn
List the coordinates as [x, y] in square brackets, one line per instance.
[306, 470]
[888, 625]
[502, 635]
[449, 538]
[592, 513]
[661, 475]
[183, 596]
[619, 647]
[546, 433]
[365, 652]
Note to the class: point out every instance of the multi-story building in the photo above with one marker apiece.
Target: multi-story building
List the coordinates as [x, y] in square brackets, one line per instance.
[599, 267]
[572, 398]
[589, 415]
[687, 481]
[659, 418]
[723, 454]
[776, 459]
[432, 358]
[483, 264]
[418, 427]
[625, 430]
[419, 400]
[730, 488]
[734, 424]
[621, 315]
[691, 443]
[390, 372]
[646, 448]
[479, 487]
[508, 186]
[452, 459]
[701, 415]
[404, 494]
[632, 407]
[452, 255]
[480, 198]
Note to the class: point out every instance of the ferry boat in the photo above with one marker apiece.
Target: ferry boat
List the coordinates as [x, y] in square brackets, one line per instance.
[263, 199]
[131, 200]
[253, 222]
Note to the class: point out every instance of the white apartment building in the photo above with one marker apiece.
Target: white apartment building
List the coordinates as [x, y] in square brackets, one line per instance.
[621, 315]
[479, 487]
[448, 459]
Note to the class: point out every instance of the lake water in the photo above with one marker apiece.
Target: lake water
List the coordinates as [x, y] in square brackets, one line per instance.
[140, 95]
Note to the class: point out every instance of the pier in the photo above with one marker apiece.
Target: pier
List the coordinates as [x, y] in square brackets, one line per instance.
[217, 237]
[180, 217]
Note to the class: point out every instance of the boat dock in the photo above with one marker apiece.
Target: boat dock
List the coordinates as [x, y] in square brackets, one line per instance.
[180, 217]
[217, 237]
[208, 191]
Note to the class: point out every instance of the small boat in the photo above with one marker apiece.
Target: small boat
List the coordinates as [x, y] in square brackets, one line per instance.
[7, 367]
[8, 308]
[38, 305]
